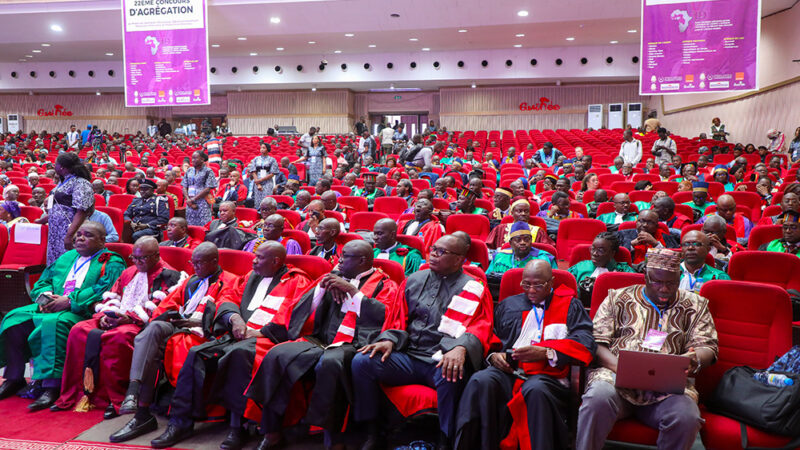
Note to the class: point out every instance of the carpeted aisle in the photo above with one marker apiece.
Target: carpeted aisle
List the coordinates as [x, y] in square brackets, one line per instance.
[58, 427]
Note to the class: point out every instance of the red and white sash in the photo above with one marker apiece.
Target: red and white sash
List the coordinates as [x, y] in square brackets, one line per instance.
[265, 312]
[459, 312]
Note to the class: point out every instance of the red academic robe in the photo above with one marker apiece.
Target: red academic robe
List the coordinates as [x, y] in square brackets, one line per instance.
[429, 233]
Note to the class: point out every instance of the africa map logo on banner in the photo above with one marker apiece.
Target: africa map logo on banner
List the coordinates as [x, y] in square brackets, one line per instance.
[153, 43]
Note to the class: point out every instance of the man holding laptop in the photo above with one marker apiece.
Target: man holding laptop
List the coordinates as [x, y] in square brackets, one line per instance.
[654, 334]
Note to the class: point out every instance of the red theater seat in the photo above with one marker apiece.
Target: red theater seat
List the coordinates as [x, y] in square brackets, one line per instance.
[763, 234]
[177, 257]
[20, 267]
[777, 269]
[478, 253]
[477, 226]
[392, 206]
[365, 221]
[576, 231]
[122, 249]
[357, 204]
[118, 218]
[293, 218]
[247, 214]
[237, 262]
[391, 268]
[582, 252]
[301, 237]
[730, 234]
[611, 280]
[120, 201]
[314, 266]
[412, 241]
[509, 284]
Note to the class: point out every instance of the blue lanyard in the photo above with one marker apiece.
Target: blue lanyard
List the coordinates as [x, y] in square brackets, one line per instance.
[693, 281]
[75, 271]
[66, 178]
[197, 286]
[539, 320]
[660, 313]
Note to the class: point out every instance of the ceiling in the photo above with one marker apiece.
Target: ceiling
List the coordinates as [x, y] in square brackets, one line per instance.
[92, 28]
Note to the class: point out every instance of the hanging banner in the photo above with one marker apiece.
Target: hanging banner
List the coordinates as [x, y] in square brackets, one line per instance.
[165, 46]
[699, 46]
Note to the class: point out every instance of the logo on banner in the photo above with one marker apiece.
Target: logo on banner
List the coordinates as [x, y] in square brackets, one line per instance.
[543, 105]
[153, 43]
[58, 110]
[683, 18]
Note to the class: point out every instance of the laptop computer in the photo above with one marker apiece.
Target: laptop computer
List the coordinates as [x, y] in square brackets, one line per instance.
[649, 371]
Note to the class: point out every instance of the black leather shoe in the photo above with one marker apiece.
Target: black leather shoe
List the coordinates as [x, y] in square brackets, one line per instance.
[171, 436]
[374, 442]
[129, 405]
[56, 408]
[135, 428]
[11, 387]
[270, 441]
[444, 442]
[234, 440]
[110, 412]
[46, 400]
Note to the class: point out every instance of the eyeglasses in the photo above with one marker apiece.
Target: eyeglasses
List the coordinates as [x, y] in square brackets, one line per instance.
[142, 257]
[528, 286]
[691, 244]
[439, 252]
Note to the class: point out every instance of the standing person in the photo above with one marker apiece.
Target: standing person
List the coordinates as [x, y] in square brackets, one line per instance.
[315, 157]
[152, 129]
[360, 126]
[664, 148]
[73, 138]
[718, 132]
[386, 140]
[214, 148]
[652, 123]
[197, 185]
[264, 168]
[776, 141]
[794, 146]
[305, 140]
[72, 198]
[631, 149]
[85, 134]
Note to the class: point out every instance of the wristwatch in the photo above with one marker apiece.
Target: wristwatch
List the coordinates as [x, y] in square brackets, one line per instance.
[551, 354]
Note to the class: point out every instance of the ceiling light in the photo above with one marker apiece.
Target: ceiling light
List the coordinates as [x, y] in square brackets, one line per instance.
[23, 60]
[631, 31]
[215, 45]
[241, 38]
[253, 54]
[413, 39]
[570, 38]
[56, 27]
[462, 31]
[29, 56]
[275, 20]
[372, 45]
[337, 51]
[45, 45]
[109, 54]
[522, 13]
[312, 42]
[517, 45]
[426, 49]
[349, 35]
[313, 89]
[280, 49]
[36, 51]
[614, 42]
[520, 35]
[473, 86]
[97, 93]
[391, 86]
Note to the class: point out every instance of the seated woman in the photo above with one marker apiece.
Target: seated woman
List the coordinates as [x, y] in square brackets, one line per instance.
[721, 176]
[603, 252]
[10, 214]
[559, 208]
[590, 181]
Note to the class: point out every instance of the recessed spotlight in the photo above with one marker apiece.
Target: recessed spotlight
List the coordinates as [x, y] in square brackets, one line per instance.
[275, 20]
[413, 39]
[45, 45]
[56, 27]
[36, 51]
[631, 31]
[426, 49]
[109, 54]
[23, 60]
[520, 34]
[522, 13]
[313, 89]
[614, 42]
[473, 86]
[312, 42]
[280, 49]
[337, 51]
[372, 46]
[570, 38]
[349, 35]
[215, 45]
[517, 45]
[29, 56]
[253, 54]
[241, 39]
[97, 93]
[462, 31]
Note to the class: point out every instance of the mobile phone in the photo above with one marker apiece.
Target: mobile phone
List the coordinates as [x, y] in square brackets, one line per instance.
[43, 299]
[511, 361]
[174, 315]
[111, 314]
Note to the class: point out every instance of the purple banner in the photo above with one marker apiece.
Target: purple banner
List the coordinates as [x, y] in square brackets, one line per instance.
[699, 46]
[165, 46]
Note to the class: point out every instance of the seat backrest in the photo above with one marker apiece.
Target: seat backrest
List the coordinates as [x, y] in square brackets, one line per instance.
[292, 217]
[4, 235]
[611, 280]
[532, 220]
[355, 203]
[682, 197]
[670, 187]
[301, 237]
[583, 252]
[478, 253]
[365, 221]
[641, 196]
[285, 199]
[576, 231]
[314, 266]
[748, 335]
[237, 262]
[121, 201]
[412, 241]
[31, 212]
[344, 238]
[247, 214]
[475, 225]
[623, 186]
[122, 249]
[177, 257]
[392, 268]
[777, 269]
[763, 234]
[196, 232]
[509, 284]
[392, 206]
[330, 214]
[116, 215]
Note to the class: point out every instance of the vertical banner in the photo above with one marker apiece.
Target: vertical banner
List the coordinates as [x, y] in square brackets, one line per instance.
[696, 46]
[165, 46]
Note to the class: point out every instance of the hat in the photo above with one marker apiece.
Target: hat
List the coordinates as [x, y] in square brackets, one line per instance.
[504, 191]
[369, 176]
[702, 149]
[466, 193]
[720, 168]
[663, 259]
[519, 229]
[789, 216]
[551, 177]
[524, 181]
[520, 201]
[699, 186]
[293, 177]
[149, 183]
[11, 208]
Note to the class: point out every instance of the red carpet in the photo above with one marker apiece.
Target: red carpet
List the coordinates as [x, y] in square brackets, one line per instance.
[55, 428]
[25, 444]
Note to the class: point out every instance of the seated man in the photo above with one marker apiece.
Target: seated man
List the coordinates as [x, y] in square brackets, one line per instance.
[720, 248]
[63, 296]
[370, 191]
[647, 235]
[464, 205]
[625, 322]
[262, 297]
[726, 208]
[386, 247]
[424, 225]
[161, 191]
[695, 272]
[347, 310]
[178, 234]
[227, 218]
[559, 208]
[104, 220]
[603, 252]
[235, 191]
[542, 331]
[330, 199]
[99, 189]
[622, 211]
[665, 208]
[272, 230]
[521, 212]
[502, 204]
[519, 253]
[107, 338]
[182, 310]
[147, 212]
[315, 213]
[327, 232]
[790, 242]
[38, 197]
[600, 196]
[789, 201]
[699, 201]
[225, 232]
[441, 336]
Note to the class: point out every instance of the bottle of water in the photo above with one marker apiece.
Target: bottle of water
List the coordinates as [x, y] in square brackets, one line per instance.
[773, 379]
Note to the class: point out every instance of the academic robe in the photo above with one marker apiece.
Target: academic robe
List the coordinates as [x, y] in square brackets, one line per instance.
[638, 252]
[505, 260]
[537, 406]
[610, 218]
[230, 362]
[47, 344]
[499, 236]
[313, 350]
[332, 255]
[429, 231]
[113, 351]
[780, 246]
[409, 258]
[186, 242]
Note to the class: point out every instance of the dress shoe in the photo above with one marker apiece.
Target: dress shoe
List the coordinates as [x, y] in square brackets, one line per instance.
[270, 441]
[234, 440]
[374, 442]
[46, 400]
[56, 408]
[171, 436]
[129, 404]
[444, 442]
[11, 387]
[135, 428]
[110, 412]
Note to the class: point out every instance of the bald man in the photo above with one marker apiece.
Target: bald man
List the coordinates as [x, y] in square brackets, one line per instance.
[326, 233]
[182, 310]
[386, 247]
[726, 208]
[107, 338]
[63, 296]
[694, 270]
[178, 234]
[348, 307]
[235, 191]
[646, 235]
[227, 217]
[542, 331]
[622, 211]
[257, 301]
[271, 229]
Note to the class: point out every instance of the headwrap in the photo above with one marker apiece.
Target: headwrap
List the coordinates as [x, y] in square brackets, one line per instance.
[293, 177]
[11, 208]
[700, 186]
[720, 168]
[524, 181]
[520, 201]
[663, 259]
[702, 149]
[772, 133]
[789, 216]
[519, 229]
[504, 191]
[551, 177]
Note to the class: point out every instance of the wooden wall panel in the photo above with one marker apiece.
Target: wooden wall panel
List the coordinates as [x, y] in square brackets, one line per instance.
[258, 125]
[106, 111]
[254, 112]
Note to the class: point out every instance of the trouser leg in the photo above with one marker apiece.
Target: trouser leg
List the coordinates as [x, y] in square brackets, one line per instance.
[187, 400]
[370, 373]
[148, 356]
[482, 418]
[546, 402]
[447, 394]
[17, 352]
[600, 409]
[677, 419]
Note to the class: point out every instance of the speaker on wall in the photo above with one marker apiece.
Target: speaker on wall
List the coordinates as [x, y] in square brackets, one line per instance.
[71, 73]
[484, 63]
[609, 60]
[559, 62]
[52, 74]
[534, 62]
[367, 66]
[509, 63]
[584, 61]
[278, 69]
[213, 70]
[91, 73]
[436, 64]
[111, 72]
[344, 66]
[299, 67]
[460, 64]
[255, 69]
[234, 69]
[413, 65]
[635, 59]
[390, 65]
[32, 74]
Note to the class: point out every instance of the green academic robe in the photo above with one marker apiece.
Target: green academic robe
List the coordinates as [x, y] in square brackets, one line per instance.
[779, 246]
[505, 260]
[409, 258]
[642, 205]
[585, 269]
[701, 277]
[702, 209]
[608, 218]
[47, 344]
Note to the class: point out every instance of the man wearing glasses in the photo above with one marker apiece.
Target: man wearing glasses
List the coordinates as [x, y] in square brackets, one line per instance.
[440, 339]
[695, 272]
[178, 234]
[622, 211]
[790, 242]
[542, 331]
[107, 338]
